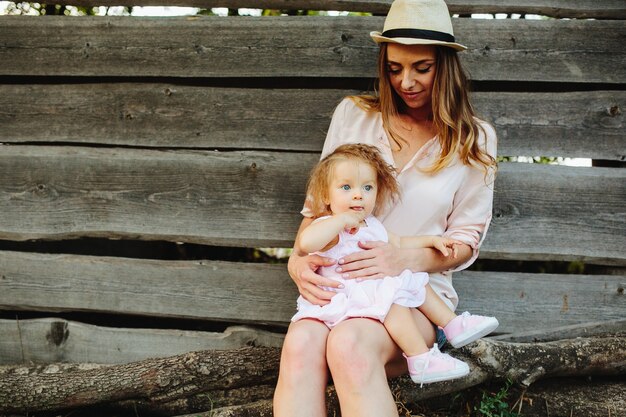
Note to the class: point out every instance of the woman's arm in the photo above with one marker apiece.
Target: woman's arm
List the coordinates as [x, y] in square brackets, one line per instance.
[442, 244]
[302, 267]
[384, 259]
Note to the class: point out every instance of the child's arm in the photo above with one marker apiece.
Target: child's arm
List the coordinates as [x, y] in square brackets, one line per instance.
[442, 244]
[318, 235]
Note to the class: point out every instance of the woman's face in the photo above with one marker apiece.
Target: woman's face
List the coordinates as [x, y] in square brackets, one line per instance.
[411, 70]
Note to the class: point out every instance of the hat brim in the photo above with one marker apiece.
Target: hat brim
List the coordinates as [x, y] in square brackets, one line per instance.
[379, 38]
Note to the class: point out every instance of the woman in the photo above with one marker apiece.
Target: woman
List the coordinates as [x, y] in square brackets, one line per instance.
[424, 125]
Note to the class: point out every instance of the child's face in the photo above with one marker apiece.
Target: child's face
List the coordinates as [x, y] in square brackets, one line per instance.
[353, 187]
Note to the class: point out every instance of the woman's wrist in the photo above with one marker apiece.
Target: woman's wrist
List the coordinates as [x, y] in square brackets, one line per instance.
[431, 260]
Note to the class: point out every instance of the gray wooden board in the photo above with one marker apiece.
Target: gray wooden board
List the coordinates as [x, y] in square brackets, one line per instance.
[523, 302]
[223, 198]
[263, 293]
[577, 124]
[607, 9]
[558, 213]
[571, 331]
[50, 340]
[588, 51]
[253, 199]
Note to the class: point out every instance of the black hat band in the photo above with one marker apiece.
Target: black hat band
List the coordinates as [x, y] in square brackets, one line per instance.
[432, 35]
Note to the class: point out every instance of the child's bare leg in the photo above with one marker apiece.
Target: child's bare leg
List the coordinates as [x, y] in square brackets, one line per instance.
[425, 365]
[435, 309]
[459, 330]
[402, 328]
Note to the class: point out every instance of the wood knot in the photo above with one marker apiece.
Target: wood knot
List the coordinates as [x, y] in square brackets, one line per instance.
[620, 290]
[58, 333]
[345, 37]
[253, 167]
[502, 213]
[613, 111]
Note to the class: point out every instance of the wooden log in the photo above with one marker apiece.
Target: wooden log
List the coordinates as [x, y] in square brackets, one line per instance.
[605, 9]
[62, 387]
[224, 291]
[558, 397]
[180, 116]
[586, 51]
[163, 380]
[51, 340]
[252, 199]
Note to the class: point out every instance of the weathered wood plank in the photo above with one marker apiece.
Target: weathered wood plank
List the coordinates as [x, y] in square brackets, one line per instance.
[221, 198]
[225, 291]
[168, 115]
[50, 340]
[599, 9]
[553, 212]
[252, 199]
[566, 332]
[525, 302]
[579, 124]
[513, 50]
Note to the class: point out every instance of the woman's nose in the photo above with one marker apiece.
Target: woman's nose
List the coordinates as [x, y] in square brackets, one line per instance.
[407, 80]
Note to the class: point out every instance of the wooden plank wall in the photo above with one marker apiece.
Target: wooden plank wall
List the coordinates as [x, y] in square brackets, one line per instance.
[201, 131]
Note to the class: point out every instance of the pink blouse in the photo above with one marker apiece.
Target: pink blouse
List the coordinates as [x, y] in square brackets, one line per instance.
[455, 202]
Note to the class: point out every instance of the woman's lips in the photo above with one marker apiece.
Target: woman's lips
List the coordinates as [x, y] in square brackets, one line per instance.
[411, 95]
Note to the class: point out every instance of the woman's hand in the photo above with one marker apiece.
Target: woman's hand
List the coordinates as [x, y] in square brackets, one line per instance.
[377, 260]
[302, 271]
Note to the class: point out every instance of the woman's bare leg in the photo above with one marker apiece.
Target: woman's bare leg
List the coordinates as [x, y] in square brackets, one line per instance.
[303, 375]
[361, 356]
[435, 309]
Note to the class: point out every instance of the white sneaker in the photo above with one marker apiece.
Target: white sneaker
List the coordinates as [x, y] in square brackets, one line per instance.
[434, 366]
[467, 328]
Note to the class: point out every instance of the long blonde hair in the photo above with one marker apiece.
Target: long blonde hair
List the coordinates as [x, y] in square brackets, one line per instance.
[453, 115]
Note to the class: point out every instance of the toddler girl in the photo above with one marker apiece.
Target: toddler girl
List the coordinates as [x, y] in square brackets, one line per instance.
[346, 190]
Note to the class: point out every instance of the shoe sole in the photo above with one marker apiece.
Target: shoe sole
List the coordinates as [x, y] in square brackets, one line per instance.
[487, 327]
[440, 378]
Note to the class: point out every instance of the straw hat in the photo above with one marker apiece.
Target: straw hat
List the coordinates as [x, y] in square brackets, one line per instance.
[418, 22]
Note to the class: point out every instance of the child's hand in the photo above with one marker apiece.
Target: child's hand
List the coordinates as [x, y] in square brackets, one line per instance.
[352, 220]
[445, 245]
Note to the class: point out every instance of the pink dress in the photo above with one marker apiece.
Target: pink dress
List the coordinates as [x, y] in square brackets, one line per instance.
[368, 298]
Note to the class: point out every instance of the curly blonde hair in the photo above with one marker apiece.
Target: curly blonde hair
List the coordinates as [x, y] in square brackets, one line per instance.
[388, 190]
[454, 118]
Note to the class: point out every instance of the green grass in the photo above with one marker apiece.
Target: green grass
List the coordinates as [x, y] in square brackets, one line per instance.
[495, 404]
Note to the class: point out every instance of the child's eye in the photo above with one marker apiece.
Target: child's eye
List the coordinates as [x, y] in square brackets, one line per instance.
[368, 188]
[345, 187]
